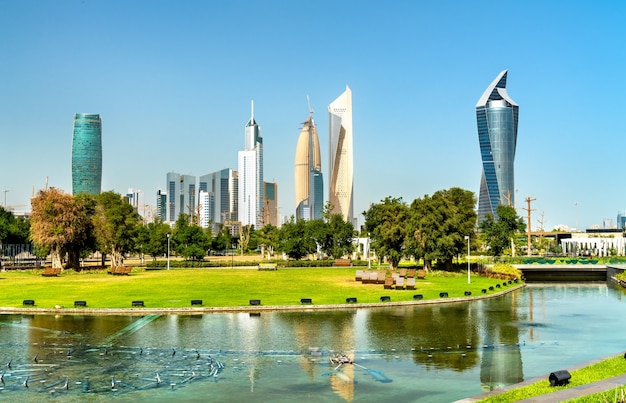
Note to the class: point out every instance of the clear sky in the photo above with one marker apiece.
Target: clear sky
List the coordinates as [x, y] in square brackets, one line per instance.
[173, 81]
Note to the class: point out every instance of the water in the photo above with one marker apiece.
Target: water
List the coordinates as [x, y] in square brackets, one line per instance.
[425, 353]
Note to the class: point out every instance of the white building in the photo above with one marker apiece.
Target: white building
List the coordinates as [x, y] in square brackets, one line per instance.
[341, 156]
[250, 167]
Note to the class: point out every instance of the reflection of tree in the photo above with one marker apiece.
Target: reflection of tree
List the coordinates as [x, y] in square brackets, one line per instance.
[442, 331]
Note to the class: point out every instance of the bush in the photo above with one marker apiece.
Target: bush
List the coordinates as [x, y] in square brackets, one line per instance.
[504, 271]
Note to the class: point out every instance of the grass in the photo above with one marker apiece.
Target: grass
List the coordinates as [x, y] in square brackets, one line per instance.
[219, 287]
[596, 372]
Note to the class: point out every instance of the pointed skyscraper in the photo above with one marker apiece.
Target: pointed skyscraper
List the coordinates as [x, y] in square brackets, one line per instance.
[496, 117]
[250, 164]
[309, 185]
[341, 160]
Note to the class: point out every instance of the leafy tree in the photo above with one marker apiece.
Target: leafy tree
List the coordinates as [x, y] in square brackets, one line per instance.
[386, 224]
[340, 235]
[189, 240]
[13, 230]
[267, 239]
[438, 225]
[115, 226]
[52, 222]
[84, 240]
[294, 240]
[498, 231]
[152, 238]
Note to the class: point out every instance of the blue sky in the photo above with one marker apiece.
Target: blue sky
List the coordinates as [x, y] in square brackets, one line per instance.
[173, 81]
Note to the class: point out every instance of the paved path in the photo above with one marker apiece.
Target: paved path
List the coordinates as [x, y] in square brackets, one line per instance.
[563, 394]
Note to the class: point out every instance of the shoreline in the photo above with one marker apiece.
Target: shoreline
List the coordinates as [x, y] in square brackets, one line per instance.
[244, 309]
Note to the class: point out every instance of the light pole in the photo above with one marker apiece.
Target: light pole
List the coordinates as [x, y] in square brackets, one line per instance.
[468, 258]
[168, 251]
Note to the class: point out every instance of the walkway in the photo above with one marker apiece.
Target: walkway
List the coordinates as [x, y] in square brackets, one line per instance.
[560, 395]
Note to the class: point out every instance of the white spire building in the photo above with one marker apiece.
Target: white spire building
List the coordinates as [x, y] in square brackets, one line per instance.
[250, 166]
[341, 155]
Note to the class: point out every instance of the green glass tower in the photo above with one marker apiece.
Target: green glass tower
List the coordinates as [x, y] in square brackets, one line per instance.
[87, 154]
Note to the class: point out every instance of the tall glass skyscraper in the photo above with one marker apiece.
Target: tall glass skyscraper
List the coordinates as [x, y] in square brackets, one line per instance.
[496, 117]
[250, 167]
[87, 154]
[309, 185]
[341, 155]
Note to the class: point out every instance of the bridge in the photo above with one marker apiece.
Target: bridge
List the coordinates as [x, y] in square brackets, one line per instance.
[569, 272]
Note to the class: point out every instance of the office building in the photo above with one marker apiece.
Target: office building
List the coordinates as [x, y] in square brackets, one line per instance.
[250, 168]
[181, 195]
[309, 184]
[87, 154]
[496, 117]
[222, 189]
[161, 205]
[341, 156]
[270, 205]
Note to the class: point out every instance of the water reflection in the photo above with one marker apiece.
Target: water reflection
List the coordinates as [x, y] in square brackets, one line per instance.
[401, 353]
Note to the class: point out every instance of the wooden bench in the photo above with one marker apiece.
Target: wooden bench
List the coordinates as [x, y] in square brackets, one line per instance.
[306, 301]
[421, 274]
[385, 298]
[342, 263]
[80, 303]
[137, 303]
[120, 271]
[30, 302]
[351, 300]
[255, 302]
[196, 302]
[268, 266]
[50, 272]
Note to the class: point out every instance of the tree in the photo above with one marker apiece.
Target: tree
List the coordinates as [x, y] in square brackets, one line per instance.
[385, 223]
[115, 226]
[152, 238]
[84, 240]
[222, 240]
[52, 217]
[294, 240]
[13, 230]
[267, 239]
[498, 231]
[340, 236]
[189, 240]
[438, 225]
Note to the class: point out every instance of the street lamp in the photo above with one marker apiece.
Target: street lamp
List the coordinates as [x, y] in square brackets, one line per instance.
[168, 251]
[468, 258]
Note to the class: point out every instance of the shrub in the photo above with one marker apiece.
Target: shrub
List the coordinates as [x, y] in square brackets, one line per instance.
[504, 271]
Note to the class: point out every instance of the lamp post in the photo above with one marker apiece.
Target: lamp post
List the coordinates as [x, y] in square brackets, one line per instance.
[468, 258]
[168, 251]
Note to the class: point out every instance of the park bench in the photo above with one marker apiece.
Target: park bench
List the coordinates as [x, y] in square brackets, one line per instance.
[306, 301]
[255, 302]
[385, 298]
[267, 266]
[342, 263]
[196, 302]
[30, 302]
[351, 300]
[120, 270]
[421, 274]
[80, 303]
[137, 303]
[50, 272]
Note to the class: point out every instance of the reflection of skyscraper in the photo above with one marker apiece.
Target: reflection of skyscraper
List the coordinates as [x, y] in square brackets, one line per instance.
[250, 167]
[309, 185]
[341, 155]
[496, 116]
[87, 154]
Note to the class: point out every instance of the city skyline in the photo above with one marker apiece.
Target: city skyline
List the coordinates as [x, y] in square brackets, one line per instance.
[173, 83]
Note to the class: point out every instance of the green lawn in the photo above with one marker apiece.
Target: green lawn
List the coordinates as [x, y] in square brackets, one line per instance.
[220, 287]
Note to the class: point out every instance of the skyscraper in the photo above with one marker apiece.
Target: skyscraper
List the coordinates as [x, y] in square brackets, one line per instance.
[309, 184]
[87, 154]
[270, 206]
[341, 159]
[222, 188]
[496, 117]
[181, 195]
[250, 167]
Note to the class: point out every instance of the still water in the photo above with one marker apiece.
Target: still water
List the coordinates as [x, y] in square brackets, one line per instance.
[425, 353]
